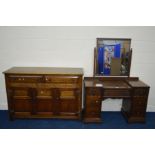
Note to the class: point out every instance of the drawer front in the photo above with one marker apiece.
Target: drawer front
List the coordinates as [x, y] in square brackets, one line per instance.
[141, 92]
[93, 106]
[140, 102]
[24, 79]
[116, 93]
[93, 92]
[92, 115]
[61, 79]
[138, 113]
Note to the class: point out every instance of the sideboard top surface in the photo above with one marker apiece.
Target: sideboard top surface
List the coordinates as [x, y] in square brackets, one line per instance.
[44, 70]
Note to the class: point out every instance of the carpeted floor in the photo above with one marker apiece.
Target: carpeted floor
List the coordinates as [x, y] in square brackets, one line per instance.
[111, 120]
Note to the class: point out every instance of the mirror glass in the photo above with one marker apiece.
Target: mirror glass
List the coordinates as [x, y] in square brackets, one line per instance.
[112, 57]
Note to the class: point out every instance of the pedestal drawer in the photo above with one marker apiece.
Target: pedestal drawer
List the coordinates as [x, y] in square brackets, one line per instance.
[93, 106]
[93, 91]
[141, 92]
[140, 101]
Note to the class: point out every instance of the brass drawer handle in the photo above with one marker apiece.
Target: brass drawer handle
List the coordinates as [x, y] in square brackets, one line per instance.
[41, 92]
[46, 79]
[21, 79]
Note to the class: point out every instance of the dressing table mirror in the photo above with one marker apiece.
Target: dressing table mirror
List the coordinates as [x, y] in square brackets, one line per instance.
[111, 79]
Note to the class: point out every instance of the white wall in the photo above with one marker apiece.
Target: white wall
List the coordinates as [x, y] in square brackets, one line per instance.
[73, 47]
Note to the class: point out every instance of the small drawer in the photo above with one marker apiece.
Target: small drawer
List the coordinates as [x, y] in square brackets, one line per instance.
[140, 101]
[116, 93]
[92, 114]
[93, 106]
[99, 98]
[61, 79]
[138, 113]
[93, 92]
[24, 79]
[141, 92]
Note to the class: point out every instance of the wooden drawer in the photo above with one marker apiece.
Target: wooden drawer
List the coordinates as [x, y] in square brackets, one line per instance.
[93, 92]
[24, 79]
[116, 93]
[92, 114]
[93, 106]
[99, 98]
[139, 101]
[61, 79]
[138, 113]
[140, 92]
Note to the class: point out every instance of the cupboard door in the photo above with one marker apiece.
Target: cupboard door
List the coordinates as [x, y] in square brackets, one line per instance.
[44, 100]
[21, 100]
[69, 101]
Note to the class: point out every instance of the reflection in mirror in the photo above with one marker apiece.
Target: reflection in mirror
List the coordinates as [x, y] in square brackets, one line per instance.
[112, 57]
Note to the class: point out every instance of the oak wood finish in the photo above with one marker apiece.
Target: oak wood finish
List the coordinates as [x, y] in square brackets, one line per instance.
[133, 92]
[44, 92]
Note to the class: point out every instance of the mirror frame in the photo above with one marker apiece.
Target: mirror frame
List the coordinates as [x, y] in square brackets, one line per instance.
[98, 44]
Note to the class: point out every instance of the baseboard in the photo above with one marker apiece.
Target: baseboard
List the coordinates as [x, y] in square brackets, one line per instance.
[150, 108]
[3, 106]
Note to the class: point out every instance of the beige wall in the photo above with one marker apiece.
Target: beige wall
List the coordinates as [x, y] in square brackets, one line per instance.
[73, 47]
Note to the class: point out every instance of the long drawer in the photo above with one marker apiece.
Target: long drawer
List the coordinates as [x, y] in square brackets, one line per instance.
[24, 78]
[116, 93]
[61, 79]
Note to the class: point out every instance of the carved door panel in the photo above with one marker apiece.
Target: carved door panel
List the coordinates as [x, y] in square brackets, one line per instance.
[69, 101]
[20, 99]
[44, 101]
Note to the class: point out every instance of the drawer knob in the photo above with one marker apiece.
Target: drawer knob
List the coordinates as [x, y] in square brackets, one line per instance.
[20, 79]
